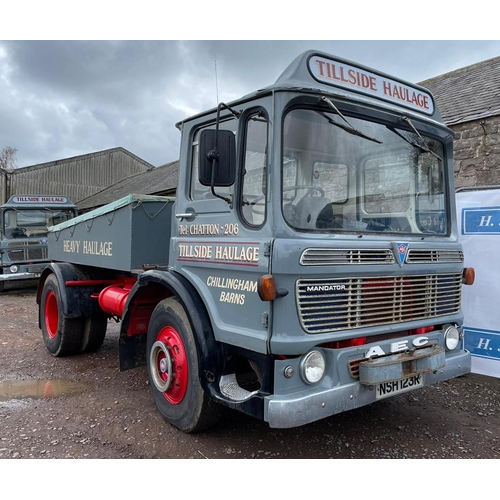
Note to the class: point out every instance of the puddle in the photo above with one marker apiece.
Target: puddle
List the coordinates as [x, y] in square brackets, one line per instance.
[23, 389]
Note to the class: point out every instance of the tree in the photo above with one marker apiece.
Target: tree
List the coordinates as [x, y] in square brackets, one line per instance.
[8, 158]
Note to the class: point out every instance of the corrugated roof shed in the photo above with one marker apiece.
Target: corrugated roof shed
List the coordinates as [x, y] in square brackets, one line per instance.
[77, 177]
[157, 180]
[469, 93]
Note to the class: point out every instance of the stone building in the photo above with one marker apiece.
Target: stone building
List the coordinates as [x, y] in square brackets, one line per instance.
[469, 101]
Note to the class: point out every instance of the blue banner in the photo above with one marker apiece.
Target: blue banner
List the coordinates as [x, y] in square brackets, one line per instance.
[485, 220]
[482, 343]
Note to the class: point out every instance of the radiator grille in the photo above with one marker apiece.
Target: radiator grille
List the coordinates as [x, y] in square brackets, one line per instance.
[332, 304]
[338, 256]
[418, 256]
[26, 251]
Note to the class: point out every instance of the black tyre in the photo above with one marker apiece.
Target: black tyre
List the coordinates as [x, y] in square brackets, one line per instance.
[94, 331]
[2, 286]
[173, 370]
[62, 336]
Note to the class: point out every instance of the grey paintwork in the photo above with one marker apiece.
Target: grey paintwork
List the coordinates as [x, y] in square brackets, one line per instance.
[128, 235]
[238, 316]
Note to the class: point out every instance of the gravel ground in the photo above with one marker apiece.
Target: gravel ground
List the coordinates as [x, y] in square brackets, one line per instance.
[83, 407]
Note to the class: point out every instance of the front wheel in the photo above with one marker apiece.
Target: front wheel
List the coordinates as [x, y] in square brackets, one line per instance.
[61, 336]
[173, 370]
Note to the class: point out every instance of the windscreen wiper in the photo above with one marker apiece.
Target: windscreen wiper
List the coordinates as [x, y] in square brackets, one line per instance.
[348, 128]
[423, 146]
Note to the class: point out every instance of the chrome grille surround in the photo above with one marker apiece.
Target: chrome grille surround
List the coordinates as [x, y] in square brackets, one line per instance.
[421, 256]
[341, 256]
[331, 304]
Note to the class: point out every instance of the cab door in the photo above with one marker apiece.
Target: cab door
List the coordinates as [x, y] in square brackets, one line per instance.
[222, 236]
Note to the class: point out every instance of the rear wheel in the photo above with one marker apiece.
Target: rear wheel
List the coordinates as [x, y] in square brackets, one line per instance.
[62, 336]
[94, 331]
[174, 370]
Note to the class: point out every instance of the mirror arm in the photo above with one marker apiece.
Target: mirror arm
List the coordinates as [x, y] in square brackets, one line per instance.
[213, 154]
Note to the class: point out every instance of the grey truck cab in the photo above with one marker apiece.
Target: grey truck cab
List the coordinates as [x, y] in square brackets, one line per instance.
[24, 221]
[313, 260]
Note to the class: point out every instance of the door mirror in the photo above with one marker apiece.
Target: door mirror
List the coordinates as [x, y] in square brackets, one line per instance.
[217, 151]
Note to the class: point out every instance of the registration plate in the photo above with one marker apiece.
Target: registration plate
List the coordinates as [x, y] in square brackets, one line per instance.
[394, 387]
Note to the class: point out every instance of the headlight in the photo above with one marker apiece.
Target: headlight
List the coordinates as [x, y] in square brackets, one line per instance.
[13, 269]
[451, 338]
[312, 367]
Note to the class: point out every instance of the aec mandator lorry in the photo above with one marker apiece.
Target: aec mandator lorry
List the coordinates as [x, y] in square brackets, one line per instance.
[308, 265]
[24, 220]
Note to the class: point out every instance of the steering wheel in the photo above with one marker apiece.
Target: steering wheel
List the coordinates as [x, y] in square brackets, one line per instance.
[308, 187]
[19, 232]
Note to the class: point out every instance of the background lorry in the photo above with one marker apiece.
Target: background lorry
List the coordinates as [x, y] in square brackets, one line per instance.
[23, 234]
[308, 265]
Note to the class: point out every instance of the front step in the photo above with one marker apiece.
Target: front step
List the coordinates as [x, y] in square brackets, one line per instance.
[230, 388]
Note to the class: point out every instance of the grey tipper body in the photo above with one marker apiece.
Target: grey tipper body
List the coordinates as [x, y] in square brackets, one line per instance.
[308, 265]
[23, 234]
[124, 236]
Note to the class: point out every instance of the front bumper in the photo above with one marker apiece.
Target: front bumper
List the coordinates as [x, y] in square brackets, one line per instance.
[20, 276]
[293, 410]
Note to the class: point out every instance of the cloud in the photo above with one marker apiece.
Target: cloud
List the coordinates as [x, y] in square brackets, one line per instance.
[63, 98]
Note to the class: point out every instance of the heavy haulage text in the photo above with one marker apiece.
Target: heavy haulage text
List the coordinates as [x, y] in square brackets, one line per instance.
[88, 247]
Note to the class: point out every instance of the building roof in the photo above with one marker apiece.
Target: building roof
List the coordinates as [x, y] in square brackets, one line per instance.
[160, 180]
[469, 93]
[74, 159]
[76, 177]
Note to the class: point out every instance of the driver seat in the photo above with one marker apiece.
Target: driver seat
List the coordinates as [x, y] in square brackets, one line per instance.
[313, 212]
[18, 233]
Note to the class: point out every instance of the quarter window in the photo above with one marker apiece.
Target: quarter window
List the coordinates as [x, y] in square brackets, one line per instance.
[254, 185]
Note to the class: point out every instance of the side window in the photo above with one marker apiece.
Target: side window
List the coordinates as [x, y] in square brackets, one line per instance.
[198, 191]
[254, 185]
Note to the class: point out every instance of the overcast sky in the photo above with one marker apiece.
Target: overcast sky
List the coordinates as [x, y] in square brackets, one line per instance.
[65, 98]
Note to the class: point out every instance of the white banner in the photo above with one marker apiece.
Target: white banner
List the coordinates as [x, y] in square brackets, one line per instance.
[479, 233]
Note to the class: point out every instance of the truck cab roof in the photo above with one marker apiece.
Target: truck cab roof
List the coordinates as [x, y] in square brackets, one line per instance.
[319, 72]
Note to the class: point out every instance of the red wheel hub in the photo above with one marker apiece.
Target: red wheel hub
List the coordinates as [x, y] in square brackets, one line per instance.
[51, 314]
[172, 341]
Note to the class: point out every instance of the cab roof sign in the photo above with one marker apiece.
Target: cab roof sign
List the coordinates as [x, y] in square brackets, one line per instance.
[341, 74]
[39, 200]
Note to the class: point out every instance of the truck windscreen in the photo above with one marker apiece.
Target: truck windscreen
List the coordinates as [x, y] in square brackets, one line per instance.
[32, 223]
[361, 177]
